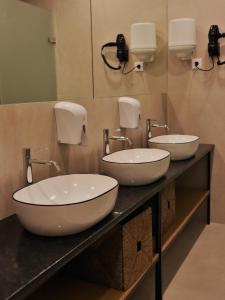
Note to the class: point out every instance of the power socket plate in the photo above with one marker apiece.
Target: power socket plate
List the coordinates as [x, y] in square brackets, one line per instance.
[141, 69]
[194, 60]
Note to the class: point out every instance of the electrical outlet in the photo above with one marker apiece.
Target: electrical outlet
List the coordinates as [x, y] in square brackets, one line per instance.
[141, 68]
[196, 60]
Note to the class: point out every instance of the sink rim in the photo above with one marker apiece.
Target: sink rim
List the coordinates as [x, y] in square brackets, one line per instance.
[154, 139]
[113, 180]
[167, 154]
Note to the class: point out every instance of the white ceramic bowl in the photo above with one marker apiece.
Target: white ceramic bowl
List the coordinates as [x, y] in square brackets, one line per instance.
[180, 146]
[65, 205]
[136, 166]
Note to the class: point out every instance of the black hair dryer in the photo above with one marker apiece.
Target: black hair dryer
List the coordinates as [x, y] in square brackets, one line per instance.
[214, 45]
[122, 52]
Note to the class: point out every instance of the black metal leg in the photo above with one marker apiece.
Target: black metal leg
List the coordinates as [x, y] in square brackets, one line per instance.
[210, 164]
[209, 210]
[158, 268]
[158, 281]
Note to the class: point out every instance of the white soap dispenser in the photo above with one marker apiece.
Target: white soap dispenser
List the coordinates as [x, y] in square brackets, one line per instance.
[71, 120]
[130, 112]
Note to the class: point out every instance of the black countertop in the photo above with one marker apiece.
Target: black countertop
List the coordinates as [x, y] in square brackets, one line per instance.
[27, 261]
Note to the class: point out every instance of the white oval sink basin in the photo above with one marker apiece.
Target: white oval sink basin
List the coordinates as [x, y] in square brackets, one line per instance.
[180, 146]
[65, 205]
[136, 166]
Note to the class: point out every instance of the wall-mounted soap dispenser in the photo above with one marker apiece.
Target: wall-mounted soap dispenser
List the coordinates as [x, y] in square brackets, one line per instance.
[71, 120]
[143, 41]
[182, 37]
[130, 112]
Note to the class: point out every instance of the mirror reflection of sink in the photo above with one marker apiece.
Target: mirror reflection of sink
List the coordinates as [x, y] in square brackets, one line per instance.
[180, 146]
[65, 205]
[136, 166]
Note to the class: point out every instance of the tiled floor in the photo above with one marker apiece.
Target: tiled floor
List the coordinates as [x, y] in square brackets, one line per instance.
[202, 275]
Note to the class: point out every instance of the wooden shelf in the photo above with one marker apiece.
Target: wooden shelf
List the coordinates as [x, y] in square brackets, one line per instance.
[187, 202]
[65, 287]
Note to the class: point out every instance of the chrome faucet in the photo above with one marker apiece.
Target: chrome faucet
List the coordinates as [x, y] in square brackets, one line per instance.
[153, 124]
[107, 137]
[29, 161]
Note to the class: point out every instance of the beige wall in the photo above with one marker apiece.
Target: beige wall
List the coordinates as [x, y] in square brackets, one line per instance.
[197, 99]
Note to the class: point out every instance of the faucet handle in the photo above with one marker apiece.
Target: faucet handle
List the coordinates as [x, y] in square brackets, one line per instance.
[28, 166]
[106, 147]
[27, 153]
[84, 139]
[149, 124]
[29, 176]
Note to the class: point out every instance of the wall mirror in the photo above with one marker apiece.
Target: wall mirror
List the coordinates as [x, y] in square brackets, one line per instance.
[50, 49]
[46, 51]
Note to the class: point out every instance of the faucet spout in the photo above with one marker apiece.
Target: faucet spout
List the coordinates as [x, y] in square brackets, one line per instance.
[45, 162]
[56, 165]
[107, 138]
[29, 161]
[121, 138]
[167, 128]
[154, 124]
[130, 142]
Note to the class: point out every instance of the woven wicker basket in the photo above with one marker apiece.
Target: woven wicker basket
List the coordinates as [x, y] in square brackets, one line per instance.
[121, 258]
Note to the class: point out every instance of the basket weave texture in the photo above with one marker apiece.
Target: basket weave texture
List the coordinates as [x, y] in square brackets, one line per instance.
[120, 259]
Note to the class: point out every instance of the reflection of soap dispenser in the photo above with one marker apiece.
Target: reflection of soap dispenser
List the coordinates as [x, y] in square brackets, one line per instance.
[130, 112]
[182, 37]
[71, 119]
